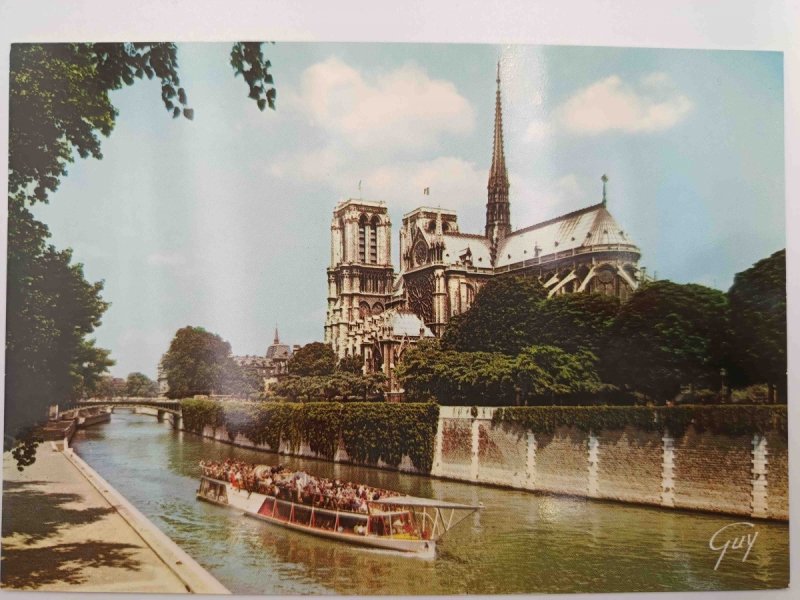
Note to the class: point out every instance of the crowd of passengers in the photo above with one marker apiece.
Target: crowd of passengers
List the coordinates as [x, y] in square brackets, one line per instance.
[295, 486]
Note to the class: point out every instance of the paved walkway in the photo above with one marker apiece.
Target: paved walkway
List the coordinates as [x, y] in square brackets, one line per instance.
[59, 533]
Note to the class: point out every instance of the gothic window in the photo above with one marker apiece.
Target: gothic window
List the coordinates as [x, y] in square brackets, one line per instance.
[373, 240]
[364, 310]
[605, 282]
[377, 308]
[420, 253]
[420, 296]
[362, 239]
[467, 296]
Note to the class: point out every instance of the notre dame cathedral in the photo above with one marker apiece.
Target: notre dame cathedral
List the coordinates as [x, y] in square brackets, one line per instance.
[376, 313]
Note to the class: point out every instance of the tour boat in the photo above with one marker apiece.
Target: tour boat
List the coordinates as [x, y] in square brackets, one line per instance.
[401, 523]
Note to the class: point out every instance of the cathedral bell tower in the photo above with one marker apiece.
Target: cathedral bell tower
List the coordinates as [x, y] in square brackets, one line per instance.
[498, 209]
[360, 275]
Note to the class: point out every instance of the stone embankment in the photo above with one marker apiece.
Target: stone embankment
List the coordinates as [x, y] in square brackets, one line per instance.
[64, 424]
[66, 529]
[740, 474]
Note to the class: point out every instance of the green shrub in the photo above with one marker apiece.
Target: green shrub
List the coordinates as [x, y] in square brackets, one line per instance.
[198, 412]
[729, 420]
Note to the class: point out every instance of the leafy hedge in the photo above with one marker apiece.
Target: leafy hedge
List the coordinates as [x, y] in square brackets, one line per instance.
[729, 420]
[199, 412]
[370, 431]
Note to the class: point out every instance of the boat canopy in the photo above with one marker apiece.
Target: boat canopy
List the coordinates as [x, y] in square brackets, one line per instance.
[425, 503]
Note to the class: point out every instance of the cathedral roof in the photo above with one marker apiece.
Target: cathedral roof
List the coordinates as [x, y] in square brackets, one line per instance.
[578, 230]
[456, 245]
[407, 323]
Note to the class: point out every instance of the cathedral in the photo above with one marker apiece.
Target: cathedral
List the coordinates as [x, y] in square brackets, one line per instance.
[377, 313]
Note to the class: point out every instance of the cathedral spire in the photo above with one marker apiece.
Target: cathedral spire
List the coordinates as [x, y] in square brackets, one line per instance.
[277, 339]
[498, 210]
[604, 179]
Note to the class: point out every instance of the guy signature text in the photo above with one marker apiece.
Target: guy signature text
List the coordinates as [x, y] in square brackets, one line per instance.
[734, 536]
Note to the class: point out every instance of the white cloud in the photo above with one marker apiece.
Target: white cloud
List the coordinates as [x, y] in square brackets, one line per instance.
[453, 181]
[166, 259]
[403, 108]
[614, 105]
[537, 131]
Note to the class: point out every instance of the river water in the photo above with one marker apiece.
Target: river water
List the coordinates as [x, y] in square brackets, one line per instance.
[520, 542]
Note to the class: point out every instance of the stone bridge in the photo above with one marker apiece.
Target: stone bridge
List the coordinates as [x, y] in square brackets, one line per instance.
[162, 406]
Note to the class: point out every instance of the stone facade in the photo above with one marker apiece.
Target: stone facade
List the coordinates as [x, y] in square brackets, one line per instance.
[442, 269]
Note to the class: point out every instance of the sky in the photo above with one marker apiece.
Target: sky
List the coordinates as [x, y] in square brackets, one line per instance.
[224, 221]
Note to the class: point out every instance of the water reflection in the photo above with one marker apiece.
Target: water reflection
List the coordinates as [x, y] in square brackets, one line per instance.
[520, 542]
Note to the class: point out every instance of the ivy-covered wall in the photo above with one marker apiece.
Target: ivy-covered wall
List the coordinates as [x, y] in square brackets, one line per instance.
[370, 432]
[730, 459]
[731, 420]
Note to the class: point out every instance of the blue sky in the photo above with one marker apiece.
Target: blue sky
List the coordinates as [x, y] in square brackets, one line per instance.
[224, 221]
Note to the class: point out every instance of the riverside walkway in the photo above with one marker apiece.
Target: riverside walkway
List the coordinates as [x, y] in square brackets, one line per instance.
[65, 529]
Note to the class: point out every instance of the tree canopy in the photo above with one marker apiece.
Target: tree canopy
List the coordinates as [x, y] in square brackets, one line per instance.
[501, 318]
[111, 387]
[199, 362]
[668, 335]
[51, 310]
[758, 322]
[574, 321]
[341, 385]
[537, 374]
[314, 359]
[139, 385]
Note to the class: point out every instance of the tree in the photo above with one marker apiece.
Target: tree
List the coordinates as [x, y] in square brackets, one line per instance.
[351, 364]
[339, 386]
[51, 310]
[544, 374]
[59, 106]
[537, 374]
[313, 359]
[758, 323]
[111, 387]
[665, 336]
[198, 363]
[575, 321]
[500, 319]
[139, 385]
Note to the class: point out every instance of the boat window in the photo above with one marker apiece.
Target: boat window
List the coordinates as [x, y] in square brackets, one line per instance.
[302, 514]
[266, 507]
[348, 522]
[284, 510]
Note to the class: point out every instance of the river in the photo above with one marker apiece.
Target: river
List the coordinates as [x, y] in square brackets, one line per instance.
[520, 542]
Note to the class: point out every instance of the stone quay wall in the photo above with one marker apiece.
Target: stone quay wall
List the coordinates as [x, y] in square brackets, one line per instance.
[741, 475]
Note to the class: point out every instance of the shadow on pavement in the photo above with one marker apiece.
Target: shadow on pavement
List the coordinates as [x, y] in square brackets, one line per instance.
[63, 563]
[37, 515]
